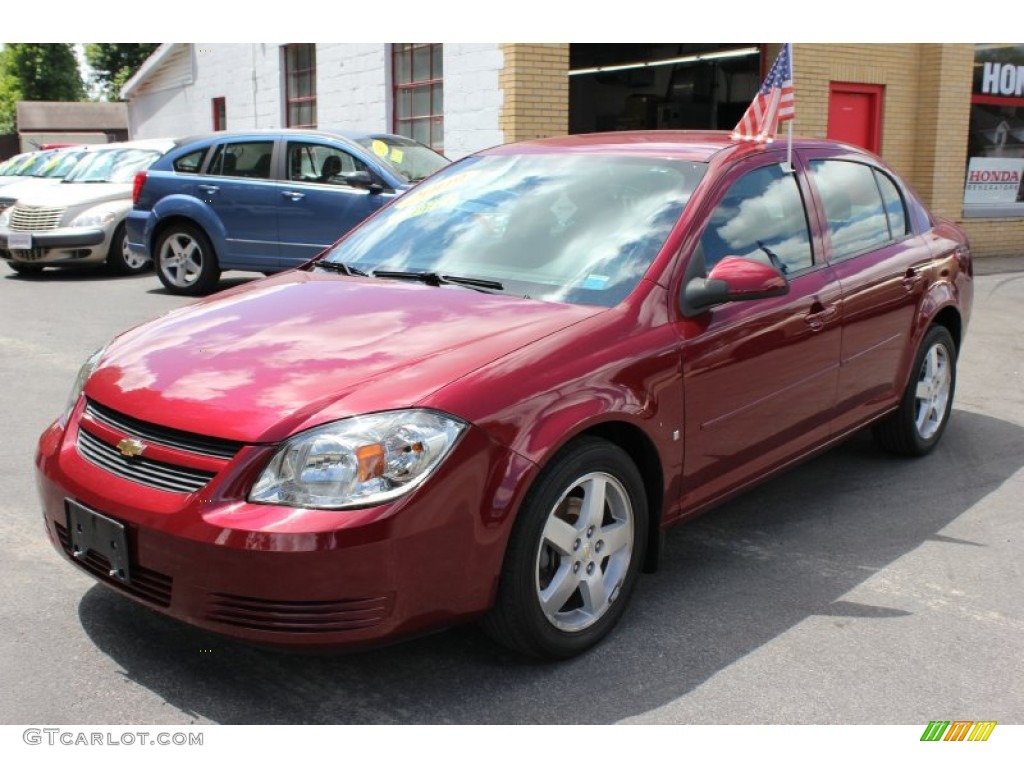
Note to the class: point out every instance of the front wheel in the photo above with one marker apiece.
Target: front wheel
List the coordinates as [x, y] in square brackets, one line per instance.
[120, 258]
[915, 427]
[185, 261]
[574, 555]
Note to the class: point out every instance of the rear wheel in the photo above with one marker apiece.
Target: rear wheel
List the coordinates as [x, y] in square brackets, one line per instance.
[185, 261]
[120, 259]
[916, 426]
[574, 555]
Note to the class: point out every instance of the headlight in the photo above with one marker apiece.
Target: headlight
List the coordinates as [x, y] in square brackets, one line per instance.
[360, 461]
[83, 375]
[95, 217]
[5, 218]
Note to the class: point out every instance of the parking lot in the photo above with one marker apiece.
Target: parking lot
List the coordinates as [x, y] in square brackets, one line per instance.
[858, 588]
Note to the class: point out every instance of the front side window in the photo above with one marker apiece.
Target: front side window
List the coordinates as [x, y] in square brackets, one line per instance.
[249, 159]
[321, 164]
[419, 92]
[857, 218]
[300, 85]
[577, 229]
[761, 217]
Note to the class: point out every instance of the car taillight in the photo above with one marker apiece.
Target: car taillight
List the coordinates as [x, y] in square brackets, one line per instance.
[140, 180]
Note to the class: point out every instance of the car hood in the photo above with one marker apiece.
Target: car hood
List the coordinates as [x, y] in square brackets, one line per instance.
[283, 354]
[27, 187]
[67, 194]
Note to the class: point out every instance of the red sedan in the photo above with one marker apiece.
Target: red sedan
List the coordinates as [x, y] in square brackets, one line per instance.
[490, 399]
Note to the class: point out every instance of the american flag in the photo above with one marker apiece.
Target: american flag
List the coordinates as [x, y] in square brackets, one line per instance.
[773, 104]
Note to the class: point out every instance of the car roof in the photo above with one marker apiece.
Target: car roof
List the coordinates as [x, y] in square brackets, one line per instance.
[298, 132]
[697, 146]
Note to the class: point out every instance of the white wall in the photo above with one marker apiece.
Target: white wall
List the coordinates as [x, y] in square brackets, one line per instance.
[472, 97]
[353, 91]
[352, 87]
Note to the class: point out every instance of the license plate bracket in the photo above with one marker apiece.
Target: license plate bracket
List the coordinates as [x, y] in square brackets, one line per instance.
[19, 241]
[93, 532]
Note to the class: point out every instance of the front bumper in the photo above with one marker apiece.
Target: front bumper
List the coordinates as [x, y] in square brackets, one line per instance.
[296, 577]
[67, 244]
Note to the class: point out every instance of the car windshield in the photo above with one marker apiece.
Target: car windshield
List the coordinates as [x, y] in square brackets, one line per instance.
[117, 166]
[35, 164]
[409, 159]
[58, 166]
[574, 228]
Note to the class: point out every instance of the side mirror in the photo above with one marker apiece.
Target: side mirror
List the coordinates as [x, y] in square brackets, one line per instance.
[732, 279]
[363, 180]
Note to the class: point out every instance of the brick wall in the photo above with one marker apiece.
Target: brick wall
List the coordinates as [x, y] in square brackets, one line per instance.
[535, 84]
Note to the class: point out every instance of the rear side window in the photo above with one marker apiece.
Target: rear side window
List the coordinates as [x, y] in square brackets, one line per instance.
[191, 162]
[761, 217]
[863, 208]
[250, 159]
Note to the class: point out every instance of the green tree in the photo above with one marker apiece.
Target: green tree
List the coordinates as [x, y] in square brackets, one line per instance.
[37, 72]
[113, 64]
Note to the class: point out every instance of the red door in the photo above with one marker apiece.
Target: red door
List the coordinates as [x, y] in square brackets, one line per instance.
[855, 114]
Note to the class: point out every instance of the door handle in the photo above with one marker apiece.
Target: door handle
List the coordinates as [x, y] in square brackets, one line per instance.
[293, 195]
[208, 189]
[911, 278]
[820, 315]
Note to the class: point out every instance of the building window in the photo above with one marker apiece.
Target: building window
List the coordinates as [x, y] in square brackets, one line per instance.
[995, 150]
[220, 114]
[418, 92]
[300, 85]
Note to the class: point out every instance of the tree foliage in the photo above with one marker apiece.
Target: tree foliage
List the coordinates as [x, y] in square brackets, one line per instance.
[113, 64]
[37, 72]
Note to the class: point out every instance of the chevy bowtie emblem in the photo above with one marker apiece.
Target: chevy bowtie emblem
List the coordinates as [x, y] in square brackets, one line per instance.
[131, 447]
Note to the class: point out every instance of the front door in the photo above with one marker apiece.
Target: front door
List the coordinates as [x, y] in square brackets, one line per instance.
[760, 376]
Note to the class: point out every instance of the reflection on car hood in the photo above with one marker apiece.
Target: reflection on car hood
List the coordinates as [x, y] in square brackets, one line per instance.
[275, 356]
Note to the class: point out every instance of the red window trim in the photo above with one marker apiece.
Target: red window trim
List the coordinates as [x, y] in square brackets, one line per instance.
[290, 100]
[397, 88]
[219, 101]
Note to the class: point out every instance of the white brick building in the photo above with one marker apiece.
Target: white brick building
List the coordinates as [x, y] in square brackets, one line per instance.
[188, 88]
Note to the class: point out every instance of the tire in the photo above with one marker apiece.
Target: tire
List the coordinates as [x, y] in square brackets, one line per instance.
[569, 571]
[120, 260]
[25, 269]
[915, 428]
[185, 261]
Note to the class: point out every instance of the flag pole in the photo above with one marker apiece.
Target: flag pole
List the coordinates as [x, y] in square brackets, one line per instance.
[789, 123]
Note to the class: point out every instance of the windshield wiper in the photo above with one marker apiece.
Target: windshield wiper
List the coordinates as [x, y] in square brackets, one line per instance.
[341, 268]
[433, 278]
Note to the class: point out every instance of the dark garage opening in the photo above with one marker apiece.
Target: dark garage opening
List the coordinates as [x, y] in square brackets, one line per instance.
[645, 86]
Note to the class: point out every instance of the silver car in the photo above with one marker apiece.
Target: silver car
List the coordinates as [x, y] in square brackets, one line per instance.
[81, 220]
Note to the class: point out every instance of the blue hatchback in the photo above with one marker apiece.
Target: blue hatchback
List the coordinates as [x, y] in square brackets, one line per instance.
[263, 201]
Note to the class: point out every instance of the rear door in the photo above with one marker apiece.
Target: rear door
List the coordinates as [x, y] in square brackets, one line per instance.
[316, 204]
[760, 376]
[883, 268]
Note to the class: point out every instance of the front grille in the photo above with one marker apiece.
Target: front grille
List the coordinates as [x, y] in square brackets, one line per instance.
[33, 218]
[151, 586]
[155, 474]
[172, 438]
[310, 616]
